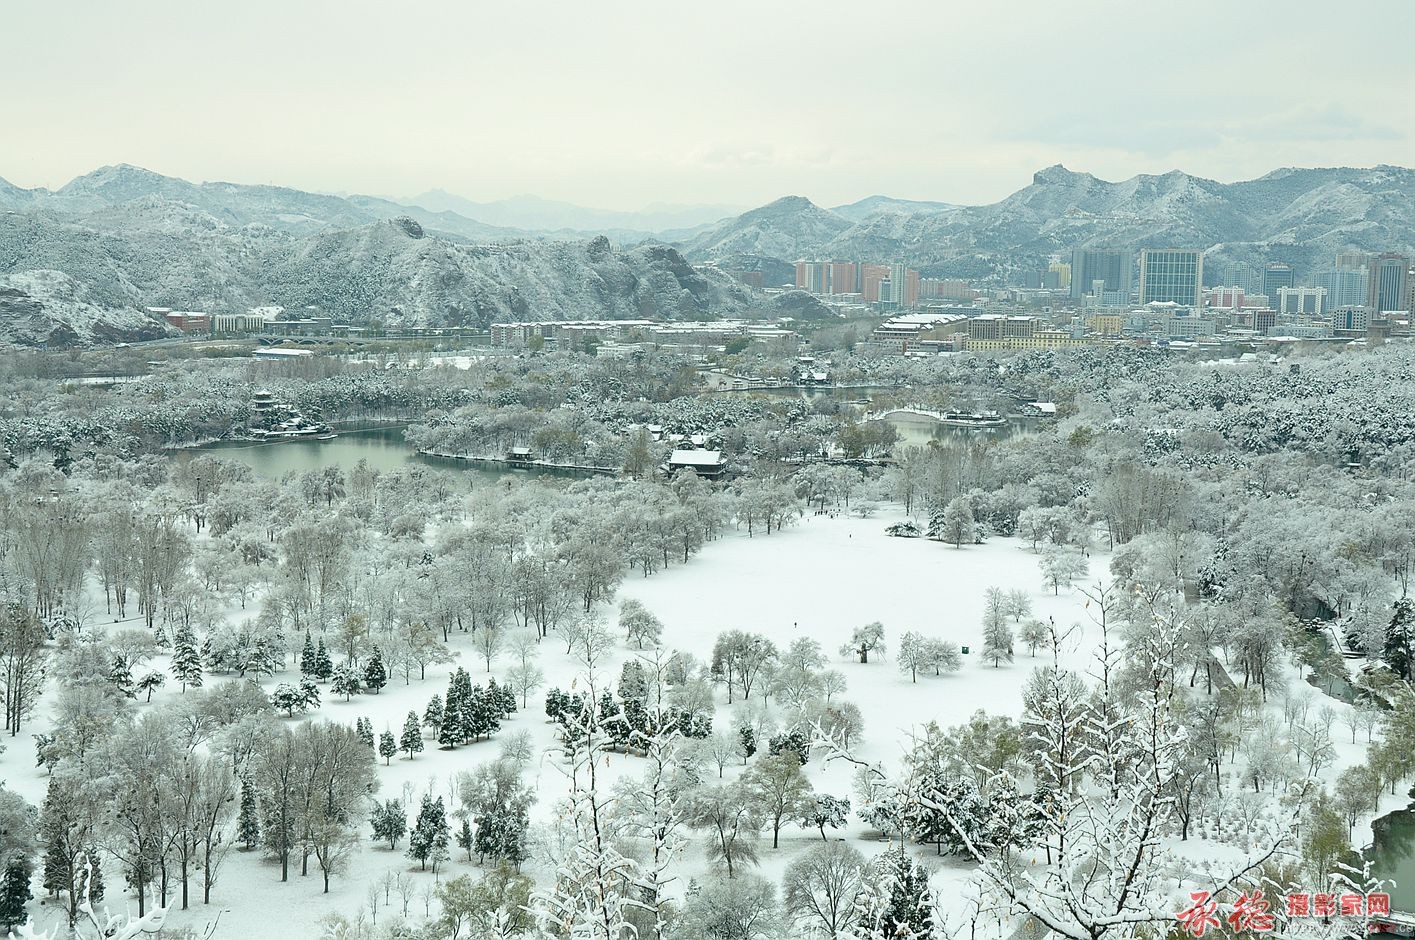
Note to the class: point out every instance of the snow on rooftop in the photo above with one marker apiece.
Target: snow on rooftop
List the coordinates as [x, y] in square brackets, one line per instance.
[696, 456]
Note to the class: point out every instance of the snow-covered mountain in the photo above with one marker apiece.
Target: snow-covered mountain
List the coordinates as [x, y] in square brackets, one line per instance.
[395, 272]
[1302, 216]
[862, 209]
[153, 251]
[279, 207]
[49, 308]
[784, 229]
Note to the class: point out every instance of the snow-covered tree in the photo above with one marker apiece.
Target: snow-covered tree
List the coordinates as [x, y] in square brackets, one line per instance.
[387, 747]
[910, 655]
[864, 641]
[896, 902]
[427, 842]
[248, 818]
[955, 523]
[823, 889]
[997, 632]
[345, 681]
[778, 788]
[412, 740]
[375, 675]
[389, 820]
[825, 810]
[639, 624]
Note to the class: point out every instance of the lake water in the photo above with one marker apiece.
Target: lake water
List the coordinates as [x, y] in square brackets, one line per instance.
[1393, 856]
[383, 448]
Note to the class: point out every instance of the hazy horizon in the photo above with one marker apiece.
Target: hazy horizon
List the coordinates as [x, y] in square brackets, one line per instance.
[735, 105]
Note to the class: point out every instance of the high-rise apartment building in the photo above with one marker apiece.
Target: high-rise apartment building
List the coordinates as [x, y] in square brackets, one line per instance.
[811, 276]
[1089, 265]
[826, 277]
[1308, 301]
[1224, 298]
[1173, 275]
[901, 287]
[1352, 260]
[1277, 276]
[934, 288]
[1345, 287]
[1389, 275]
[844, 277]
[871, 277]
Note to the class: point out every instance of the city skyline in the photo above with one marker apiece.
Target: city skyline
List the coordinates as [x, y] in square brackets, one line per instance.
[491, 103]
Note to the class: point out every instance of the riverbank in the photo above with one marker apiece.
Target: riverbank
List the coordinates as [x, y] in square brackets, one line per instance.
[521, 464]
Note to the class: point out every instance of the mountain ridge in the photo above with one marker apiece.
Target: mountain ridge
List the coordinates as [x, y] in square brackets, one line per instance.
[1299, 215]
[127, 237]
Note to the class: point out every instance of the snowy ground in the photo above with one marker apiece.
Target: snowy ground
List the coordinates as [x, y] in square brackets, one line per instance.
[820, 578]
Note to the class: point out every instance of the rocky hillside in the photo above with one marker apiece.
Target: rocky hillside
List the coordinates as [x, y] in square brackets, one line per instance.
[1302, 216]
[396, 272]
[785, 230]
[152, 250]
[49, 308]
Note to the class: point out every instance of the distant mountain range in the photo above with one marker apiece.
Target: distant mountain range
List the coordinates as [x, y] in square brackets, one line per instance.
[121, 238]
[534, 214]
[78, 264]
[1300, 216]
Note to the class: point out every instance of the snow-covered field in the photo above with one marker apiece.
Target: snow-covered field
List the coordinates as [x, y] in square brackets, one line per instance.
[820, 579]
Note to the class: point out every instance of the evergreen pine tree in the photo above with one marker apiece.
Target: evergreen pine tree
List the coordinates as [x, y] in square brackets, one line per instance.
[449, 733]
[428, 840]
[122, 677]
[309, 691]
[375, 675]
[467, 719]
[14, 890]
[474, 717]
[387, 747]
[412, 740]
[432, 717]
[54, 825]
[464, 837]
[503, 699]
[345, 681]
[501, 833]
[264, 660]
[898, 903]
[364, 729]
[323, 665]
[389, 821]
[611, 719]
[1399, 652]
[186, 661]
[248, 820]
[309, 663]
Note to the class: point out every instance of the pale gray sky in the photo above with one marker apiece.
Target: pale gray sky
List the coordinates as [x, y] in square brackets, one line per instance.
[621, 103]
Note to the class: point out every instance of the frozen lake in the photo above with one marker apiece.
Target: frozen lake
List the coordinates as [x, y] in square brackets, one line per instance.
[384, 449]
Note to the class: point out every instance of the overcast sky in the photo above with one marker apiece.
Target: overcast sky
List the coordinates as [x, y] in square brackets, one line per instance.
[620, 103]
